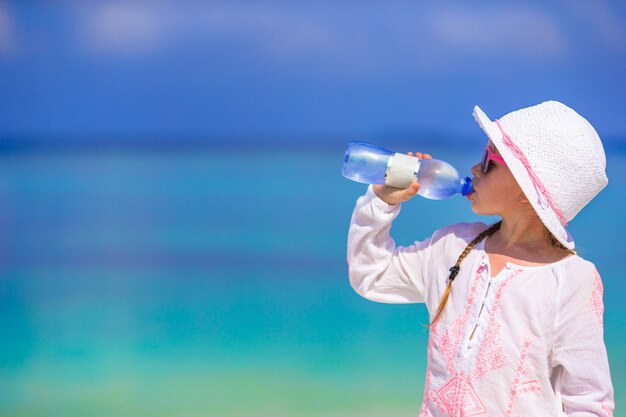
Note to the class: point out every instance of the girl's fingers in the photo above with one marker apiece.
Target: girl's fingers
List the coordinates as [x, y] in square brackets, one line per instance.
[413, 188]
[420, 155]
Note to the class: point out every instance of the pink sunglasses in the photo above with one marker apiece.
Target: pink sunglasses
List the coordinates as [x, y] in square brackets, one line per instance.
[488, 157]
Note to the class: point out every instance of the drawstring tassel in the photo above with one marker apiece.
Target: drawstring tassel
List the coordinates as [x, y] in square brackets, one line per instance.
[454, 271]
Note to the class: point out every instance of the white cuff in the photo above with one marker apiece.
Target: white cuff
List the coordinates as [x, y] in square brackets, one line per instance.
[370, 195]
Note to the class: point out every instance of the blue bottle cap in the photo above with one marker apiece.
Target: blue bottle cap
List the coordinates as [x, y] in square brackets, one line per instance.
[466, 186]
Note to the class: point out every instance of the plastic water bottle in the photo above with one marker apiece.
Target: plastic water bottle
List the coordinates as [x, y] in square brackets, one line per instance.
[372, 164]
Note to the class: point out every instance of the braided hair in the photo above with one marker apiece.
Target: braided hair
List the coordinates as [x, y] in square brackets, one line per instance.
[454, 271]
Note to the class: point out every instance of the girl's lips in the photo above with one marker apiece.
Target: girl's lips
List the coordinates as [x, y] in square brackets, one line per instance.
[473, 188]
[474, 184]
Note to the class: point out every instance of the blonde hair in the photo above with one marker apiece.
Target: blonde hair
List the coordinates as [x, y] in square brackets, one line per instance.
[454, 271]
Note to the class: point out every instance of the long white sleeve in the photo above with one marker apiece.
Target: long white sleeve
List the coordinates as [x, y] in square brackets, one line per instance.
[579, 354]
[380, 271]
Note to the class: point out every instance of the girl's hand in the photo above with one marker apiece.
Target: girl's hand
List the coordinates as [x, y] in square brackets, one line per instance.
[392, 195]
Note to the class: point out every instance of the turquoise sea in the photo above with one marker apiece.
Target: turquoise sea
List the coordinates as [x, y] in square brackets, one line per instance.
[213, 283]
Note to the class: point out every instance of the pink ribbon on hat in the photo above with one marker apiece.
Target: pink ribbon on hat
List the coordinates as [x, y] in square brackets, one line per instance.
[541, 189]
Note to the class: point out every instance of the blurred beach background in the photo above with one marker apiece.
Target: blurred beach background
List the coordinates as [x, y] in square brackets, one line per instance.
[172, 212]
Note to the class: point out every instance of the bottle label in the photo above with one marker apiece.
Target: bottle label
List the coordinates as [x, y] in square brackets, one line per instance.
[401, 170]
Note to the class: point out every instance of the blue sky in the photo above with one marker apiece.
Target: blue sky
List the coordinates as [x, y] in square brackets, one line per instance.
[290, 69]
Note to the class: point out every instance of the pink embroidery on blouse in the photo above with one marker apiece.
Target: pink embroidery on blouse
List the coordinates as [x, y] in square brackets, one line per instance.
[595, 299]
[427, 392]
[450, 341]
[517, 387]
[438, 402]
[460, 398]
[608, 408]
[490, 354]
[530, 386]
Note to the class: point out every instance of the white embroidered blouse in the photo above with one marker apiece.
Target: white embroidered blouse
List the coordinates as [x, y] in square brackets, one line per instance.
[527, 342]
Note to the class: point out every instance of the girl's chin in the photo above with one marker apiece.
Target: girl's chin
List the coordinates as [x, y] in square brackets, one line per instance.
[482, 212]
[479, 210]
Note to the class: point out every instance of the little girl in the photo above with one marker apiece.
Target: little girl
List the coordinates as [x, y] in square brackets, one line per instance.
[516, 315]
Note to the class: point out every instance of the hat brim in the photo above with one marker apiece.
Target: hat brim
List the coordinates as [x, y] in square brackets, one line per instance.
[543, 210]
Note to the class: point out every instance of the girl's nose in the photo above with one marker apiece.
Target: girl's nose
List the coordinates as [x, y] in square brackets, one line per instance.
[476, 170]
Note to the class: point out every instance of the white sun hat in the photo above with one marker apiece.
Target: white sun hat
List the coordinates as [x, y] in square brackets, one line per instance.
[555, 155]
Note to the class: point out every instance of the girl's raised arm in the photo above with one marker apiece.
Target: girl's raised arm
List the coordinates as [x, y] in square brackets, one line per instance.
[380, 271]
